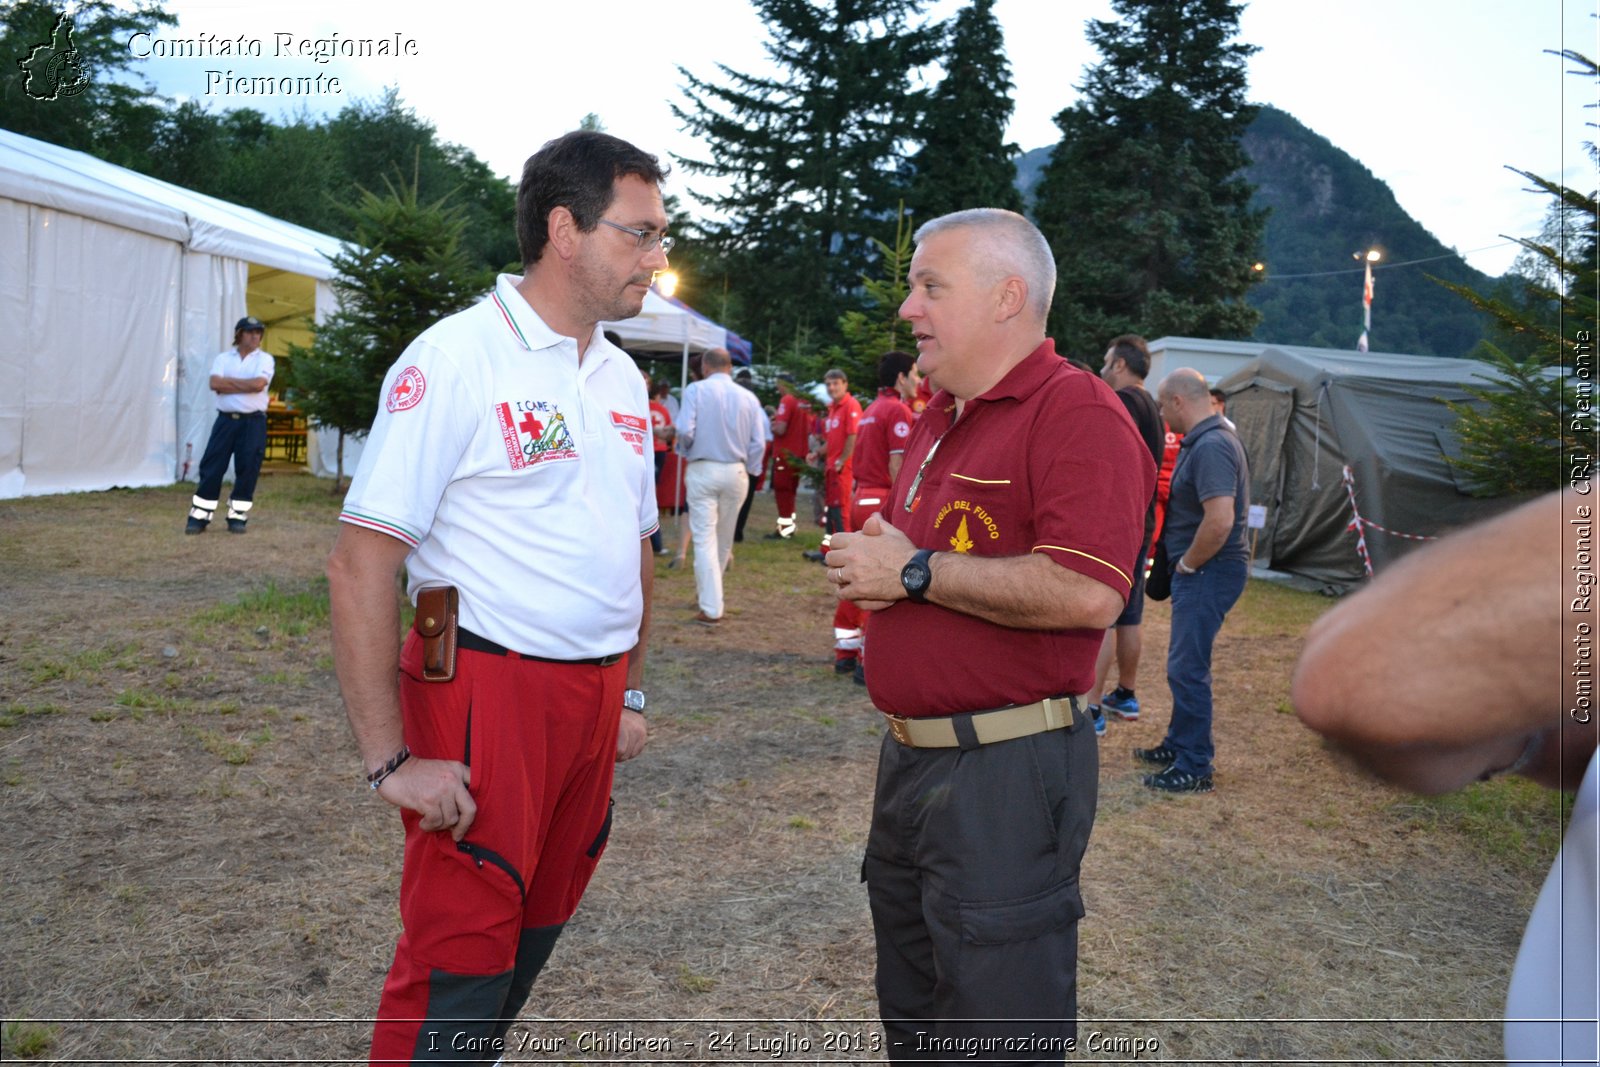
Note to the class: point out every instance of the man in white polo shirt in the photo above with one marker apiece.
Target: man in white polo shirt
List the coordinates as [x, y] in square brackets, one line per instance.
[239, 377]
[721, 432]
[511, 461]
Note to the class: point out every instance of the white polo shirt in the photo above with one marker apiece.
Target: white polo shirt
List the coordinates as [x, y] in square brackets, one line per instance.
[257, 364]
[518, 476]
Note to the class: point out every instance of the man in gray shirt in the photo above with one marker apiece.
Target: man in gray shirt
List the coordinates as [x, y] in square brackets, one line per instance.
[720, 432]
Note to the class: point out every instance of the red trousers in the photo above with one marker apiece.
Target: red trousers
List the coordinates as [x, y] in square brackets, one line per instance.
[849, 621]
[481, 917]
[785, 484]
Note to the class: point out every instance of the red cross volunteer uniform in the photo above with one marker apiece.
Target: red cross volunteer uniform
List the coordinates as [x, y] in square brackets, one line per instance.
[524, 478]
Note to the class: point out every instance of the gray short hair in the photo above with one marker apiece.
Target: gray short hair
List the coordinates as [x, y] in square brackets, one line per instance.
[1010, 245]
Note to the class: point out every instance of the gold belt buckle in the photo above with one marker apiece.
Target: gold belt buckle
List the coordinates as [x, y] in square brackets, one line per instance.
[898, 729]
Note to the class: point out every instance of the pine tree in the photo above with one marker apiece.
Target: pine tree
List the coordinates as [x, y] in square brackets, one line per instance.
[965, 160]
[404, 270]
[812, 159]
[870, 332]
[1143, 200]
[1534, 425]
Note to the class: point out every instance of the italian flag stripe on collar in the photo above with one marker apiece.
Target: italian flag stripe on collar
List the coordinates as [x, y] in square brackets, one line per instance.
[510, 320]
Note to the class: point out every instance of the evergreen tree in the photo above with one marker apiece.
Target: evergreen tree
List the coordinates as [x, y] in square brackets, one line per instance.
[1143, 200]
[1535, 426]
[812, 159]
[965, 160]
[404, 270]
[869, 333]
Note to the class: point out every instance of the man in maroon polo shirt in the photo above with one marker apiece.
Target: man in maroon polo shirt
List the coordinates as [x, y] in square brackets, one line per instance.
[995, 566]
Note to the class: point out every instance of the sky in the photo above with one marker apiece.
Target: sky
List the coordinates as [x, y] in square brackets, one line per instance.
[1435, 97]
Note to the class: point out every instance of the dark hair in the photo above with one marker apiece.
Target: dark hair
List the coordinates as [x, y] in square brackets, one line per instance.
[836, 373]
[1078, 363]
[577, 171]
[1132, 350]
[1218, 394]
[892, 365]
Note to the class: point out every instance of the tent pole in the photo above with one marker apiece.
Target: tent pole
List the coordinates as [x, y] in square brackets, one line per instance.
[677, 457]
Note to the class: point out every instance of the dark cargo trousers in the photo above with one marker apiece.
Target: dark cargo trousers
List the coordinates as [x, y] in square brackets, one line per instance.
[972, 876]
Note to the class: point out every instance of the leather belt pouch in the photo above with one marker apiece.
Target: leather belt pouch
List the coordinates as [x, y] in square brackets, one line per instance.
[436, 625]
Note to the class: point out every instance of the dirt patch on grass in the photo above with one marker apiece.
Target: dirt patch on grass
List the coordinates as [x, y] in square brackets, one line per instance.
[189, 840]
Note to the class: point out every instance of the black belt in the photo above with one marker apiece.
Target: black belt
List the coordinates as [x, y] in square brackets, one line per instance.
[244, 414]
[466, 639]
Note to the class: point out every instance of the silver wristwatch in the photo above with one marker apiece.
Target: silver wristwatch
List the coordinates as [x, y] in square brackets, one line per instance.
[633, 700]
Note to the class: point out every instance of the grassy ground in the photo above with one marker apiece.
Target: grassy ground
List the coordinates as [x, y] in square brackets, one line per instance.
[194, 871]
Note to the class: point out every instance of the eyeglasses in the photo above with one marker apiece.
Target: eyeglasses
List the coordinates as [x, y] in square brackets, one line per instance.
[648, 239]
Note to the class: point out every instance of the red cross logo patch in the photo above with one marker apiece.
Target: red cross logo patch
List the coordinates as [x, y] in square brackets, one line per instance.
[406, 392]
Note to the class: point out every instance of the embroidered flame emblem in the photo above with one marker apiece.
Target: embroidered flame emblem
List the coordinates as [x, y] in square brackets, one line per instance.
[961, 542]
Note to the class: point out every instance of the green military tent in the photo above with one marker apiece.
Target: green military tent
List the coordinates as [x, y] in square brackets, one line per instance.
[1332, 435]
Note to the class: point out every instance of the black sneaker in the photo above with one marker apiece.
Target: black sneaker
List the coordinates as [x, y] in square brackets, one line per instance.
[1173, 780]
[1161, 755]
[845, 666]
[859, 675]
[776, 536]
[814, 555]
[195, 526]
[236, 526]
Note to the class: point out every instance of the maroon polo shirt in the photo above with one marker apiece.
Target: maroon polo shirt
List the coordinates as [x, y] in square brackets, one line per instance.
[885, 428]
[1046, 461]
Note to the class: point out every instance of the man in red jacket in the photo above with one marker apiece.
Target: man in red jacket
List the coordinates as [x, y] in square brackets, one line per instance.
[791, 426]
[885, 426]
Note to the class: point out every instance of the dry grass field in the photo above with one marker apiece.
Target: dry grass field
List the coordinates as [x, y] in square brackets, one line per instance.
[193, 871]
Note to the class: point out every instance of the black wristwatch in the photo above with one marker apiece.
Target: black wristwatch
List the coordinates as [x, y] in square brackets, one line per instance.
[917, 577]
[633, 700]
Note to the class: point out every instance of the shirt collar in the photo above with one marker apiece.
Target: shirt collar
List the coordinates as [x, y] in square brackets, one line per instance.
[1020, 381]
[533, 334]
[1205, 425]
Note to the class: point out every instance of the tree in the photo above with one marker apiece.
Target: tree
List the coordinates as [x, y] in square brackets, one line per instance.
[404, 270]
[813, 157]
[869, 333]
[1533, 427]
[1143, 200]
[67, 79]
[386, 140]
[965, 160]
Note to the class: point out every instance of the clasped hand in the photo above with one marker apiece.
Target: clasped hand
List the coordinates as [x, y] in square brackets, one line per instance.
[866, 566]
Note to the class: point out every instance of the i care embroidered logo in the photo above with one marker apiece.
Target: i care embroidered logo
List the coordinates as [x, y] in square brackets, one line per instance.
[54, 69]
[534, 432]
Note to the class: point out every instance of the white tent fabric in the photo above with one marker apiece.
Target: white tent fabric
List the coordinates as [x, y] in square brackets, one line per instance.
[116, 290]
[663, 327]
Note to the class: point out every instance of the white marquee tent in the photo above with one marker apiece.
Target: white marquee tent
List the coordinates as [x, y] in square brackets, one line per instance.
[116, 290]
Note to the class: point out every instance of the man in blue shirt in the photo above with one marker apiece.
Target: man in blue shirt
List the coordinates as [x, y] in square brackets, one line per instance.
[1205, 537]
[722, 433]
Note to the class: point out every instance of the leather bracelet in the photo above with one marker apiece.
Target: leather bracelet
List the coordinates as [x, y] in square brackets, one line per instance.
[375, 779]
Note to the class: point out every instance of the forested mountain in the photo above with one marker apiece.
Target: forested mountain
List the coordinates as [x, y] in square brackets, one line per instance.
[1325, 206]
